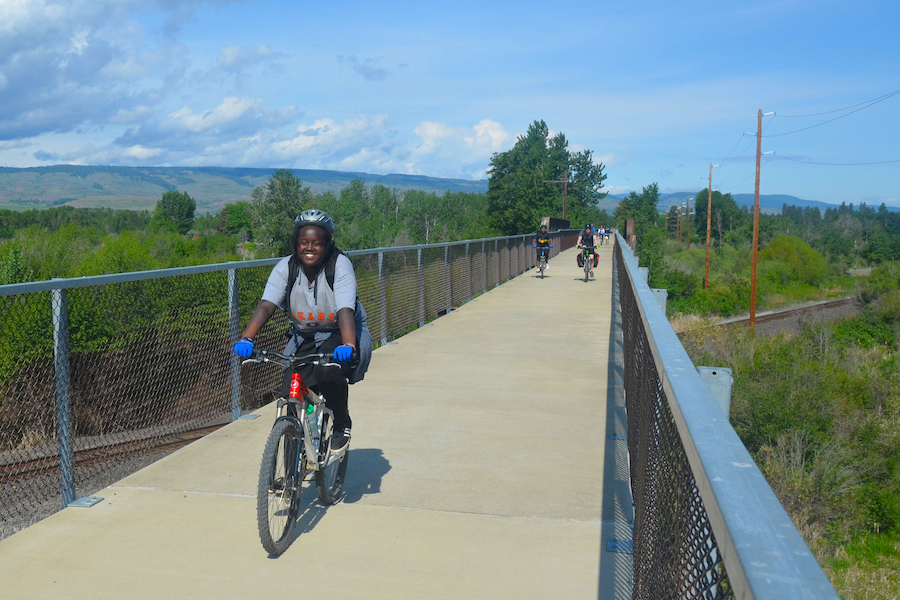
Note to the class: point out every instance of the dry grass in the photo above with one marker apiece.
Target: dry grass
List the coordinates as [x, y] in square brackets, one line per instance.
[682, 323]
[861, 576]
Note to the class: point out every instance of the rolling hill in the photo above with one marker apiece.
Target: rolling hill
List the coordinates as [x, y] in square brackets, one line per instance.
[211, 187]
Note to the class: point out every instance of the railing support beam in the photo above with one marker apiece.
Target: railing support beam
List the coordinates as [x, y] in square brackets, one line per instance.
[63, 395]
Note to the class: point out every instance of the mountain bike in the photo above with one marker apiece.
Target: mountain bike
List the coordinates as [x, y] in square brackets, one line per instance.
[587, 259]
[300, 441]
[542, 265]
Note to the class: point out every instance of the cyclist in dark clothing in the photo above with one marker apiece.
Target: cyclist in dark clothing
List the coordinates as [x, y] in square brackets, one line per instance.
[542, 243]
[588, 239]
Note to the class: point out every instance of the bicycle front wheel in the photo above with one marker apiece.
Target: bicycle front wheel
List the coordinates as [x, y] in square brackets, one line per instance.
[278, 494]
[330, 476]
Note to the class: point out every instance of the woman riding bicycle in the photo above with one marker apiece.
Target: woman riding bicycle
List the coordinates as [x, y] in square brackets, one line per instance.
[321, 307]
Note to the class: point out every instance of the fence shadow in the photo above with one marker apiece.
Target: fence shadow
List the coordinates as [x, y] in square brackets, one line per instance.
[616, 573]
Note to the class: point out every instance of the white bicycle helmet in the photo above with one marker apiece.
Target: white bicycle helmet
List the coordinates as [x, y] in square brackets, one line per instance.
[317, 217]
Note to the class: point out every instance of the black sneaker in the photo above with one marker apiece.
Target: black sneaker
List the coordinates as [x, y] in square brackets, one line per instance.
[340, 440]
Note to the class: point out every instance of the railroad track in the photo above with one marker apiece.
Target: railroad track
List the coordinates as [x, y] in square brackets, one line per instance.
[103, 454]
[792, 312]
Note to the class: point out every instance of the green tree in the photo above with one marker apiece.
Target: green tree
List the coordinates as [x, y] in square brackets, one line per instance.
[641, 208]
[12, 267]
[234, 218]
[424, 216]
[800, 261]
[174, 212]
[520, 191]
[726, 215]
[275, 206]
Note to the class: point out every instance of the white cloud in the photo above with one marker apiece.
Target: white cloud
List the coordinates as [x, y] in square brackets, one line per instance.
[236, 58]
[74, 63]
[131, 115]
[612, 159]
[367, 67]
[617, 189]
[457, 151]
[140, 153]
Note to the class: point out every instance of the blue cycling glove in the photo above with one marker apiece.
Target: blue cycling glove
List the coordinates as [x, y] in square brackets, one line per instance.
[343, 353]
[244, 348]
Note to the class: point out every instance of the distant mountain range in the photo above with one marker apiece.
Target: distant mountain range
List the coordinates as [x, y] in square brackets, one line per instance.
[211, 187]
[768, 203]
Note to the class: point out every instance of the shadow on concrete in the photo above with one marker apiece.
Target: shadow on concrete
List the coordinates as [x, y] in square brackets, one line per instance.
[616, 573]
[364, 472]
[365, 468]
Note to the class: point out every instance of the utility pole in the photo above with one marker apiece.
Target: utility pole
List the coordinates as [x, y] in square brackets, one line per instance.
[688, 204]
[565, 183]
[708, 225]
[678, 223]
[755, 224]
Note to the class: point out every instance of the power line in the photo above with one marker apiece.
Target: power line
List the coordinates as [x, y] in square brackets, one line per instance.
[828, 112]
[809, 162]
[768, 160]
[867, 105]
[741, 139]
[725, 160]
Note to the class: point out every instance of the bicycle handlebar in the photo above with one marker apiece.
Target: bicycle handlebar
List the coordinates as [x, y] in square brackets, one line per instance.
[324, 360]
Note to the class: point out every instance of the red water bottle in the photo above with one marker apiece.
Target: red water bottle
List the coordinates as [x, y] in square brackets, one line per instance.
[298, 388]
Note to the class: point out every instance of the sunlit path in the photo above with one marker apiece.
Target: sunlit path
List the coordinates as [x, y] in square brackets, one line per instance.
[479, 449]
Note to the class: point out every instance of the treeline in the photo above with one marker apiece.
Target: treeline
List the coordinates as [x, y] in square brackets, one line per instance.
[803, 253]
[105, 220]
[37, 245]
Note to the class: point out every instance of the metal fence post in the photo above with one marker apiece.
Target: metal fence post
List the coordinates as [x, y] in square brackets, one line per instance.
[63, 395]
[497, 254]
[449, 280]
[484, 255]
[421, 286]
[470, 275]
[382, 298]
[233, 324]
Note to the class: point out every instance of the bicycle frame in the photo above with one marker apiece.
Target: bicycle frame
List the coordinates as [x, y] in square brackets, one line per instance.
[312, 437]
[587, 258]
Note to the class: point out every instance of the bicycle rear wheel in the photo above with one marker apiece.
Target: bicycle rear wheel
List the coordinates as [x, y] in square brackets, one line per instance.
[330, 477]
[278, 494]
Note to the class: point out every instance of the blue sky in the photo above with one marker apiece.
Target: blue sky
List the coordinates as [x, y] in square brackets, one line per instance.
[657, 90]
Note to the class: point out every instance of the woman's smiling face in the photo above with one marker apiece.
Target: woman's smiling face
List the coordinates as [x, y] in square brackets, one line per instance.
[311, 245]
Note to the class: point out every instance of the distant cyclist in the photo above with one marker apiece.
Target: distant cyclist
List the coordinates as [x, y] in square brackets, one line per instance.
[588, 239]
[542, 243]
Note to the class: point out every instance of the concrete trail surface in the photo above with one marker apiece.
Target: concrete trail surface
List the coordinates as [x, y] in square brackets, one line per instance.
[476, 470]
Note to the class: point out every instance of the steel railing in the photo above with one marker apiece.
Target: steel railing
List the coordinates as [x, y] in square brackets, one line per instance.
[98, 374]
[706, 523]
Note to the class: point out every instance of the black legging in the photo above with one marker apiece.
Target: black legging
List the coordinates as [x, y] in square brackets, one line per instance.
[330, 383]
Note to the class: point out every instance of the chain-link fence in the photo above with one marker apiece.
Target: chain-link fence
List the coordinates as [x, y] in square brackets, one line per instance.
[100, 376]
[706, 523]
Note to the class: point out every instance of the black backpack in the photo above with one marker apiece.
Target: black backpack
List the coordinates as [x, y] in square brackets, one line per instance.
[364, 344]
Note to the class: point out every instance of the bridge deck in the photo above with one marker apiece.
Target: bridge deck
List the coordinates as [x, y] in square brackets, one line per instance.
[481, 467]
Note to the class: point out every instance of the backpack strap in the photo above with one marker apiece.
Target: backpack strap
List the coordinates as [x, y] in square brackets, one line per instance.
[294, 272]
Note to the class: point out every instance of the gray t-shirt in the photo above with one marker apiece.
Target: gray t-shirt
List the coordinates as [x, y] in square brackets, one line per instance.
[314, 305]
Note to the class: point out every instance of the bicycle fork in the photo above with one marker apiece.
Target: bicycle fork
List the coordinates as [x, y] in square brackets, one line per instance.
[313, 414]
